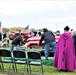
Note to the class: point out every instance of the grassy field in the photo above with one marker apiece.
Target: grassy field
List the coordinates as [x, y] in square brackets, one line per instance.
[48, 70]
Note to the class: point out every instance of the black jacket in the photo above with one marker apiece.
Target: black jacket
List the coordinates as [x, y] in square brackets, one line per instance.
[17, 40]
[47, 37]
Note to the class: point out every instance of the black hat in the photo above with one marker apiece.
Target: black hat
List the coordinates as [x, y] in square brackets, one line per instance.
[66, 28]
[45, 30]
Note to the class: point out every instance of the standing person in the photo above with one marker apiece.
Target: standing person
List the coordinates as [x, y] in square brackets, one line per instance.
[19, 32]
[39, 33]
[72, 32]
[64, 58]
[49, 39]
[4, 35]
[16, 42]
[0, 36]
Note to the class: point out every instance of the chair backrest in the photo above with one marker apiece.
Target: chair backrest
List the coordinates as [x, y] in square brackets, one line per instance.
[5, 53]
[19, 54]
[34, 55]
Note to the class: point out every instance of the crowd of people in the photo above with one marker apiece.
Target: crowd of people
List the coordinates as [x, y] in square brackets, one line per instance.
[64, 49]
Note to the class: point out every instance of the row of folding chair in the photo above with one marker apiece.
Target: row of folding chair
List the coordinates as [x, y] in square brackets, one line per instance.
[26, 58]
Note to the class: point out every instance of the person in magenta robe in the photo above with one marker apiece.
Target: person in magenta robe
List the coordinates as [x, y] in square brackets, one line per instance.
[64, 58]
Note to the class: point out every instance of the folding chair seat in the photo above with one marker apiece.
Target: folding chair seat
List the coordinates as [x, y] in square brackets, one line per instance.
[5, 53]
[32, 60]
[19, 57]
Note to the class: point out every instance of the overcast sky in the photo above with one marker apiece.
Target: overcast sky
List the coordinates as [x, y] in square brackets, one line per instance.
[51, 14]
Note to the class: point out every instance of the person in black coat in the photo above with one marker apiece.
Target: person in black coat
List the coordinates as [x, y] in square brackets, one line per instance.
[4, 35]
[16, 42]
[49, 40]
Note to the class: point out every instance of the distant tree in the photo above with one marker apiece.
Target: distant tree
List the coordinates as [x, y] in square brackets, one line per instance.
[16, 28]
[32, 29]
[5, 29]
[40, 30]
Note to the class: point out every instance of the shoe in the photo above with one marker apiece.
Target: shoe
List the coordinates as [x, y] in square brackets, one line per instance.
[64, 70]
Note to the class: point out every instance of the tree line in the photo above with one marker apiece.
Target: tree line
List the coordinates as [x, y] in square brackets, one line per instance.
[13, 29]
[4, 29]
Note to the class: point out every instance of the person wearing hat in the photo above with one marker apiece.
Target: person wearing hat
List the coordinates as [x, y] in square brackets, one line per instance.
[64, 58]
[49, 40]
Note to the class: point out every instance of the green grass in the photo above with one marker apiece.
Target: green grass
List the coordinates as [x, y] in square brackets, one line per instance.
[48, 70]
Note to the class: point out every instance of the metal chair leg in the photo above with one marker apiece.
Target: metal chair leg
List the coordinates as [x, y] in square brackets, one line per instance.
[2, 66]
[15, 67]
[42, 70]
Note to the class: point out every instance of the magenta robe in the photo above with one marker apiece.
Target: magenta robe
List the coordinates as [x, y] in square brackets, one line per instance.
[65, 53]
